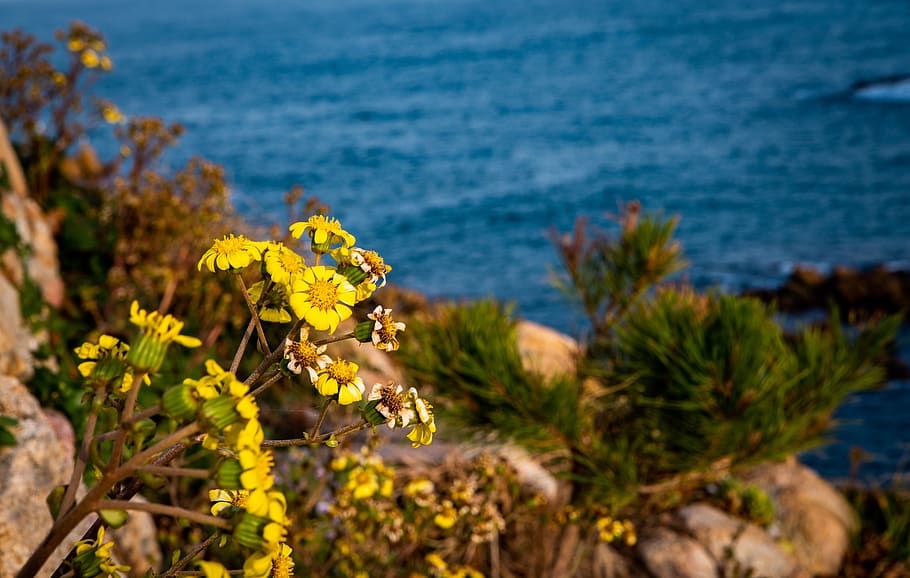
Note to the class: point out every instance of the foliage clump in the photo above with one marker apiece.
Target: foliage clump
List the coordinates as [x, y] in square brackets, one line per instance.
[673, 387]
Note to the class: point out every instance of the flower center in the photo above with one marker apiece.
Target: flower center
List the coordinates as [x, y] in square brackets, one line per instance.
[303, 352]
[342, 372]
[391, 400]
[323, 294]
[281, 567]
[239, 499]
[387, 330]
[228, 245]
[290, 262]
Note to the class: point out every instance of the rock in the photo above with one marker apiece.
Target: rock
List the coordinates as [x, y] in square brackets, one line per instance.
[667, 554]
[546, 351]
[867, 291]
[37, 463]
[813, 517]
[35, 233]
[737, 545]
[16, 341]
[136, 542]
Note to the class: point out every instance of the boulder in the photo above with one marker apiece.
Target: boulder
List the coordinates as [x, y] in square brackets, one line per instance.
[668, 554]
[38, 462]
[736, 545]
[546, 351]
[812, 517]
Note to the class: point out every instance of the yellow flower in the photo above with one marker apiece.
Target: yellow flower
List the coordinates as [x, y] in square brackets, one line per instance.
[392, 404]
[226, 500]
[111, 115]
[257, 468]
[93, 558]
[274, 563]
[75, 44]
[322, 231]
[322, 297]
[106, 63]
[273, 307]
[436, 561]
[90, 58]
[212, 569]
[385, 329]
[304, 355]
[447, 516]
[272, 505]
[230, 254]
[362, 482]
[163, 328]
[282, 263]
[341, 378]
[59, 78]
[423, 431]
[371, 263]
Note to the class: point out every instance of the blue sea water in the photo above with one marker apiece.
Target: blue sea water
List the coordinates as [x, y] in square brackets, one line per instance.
[452, 135]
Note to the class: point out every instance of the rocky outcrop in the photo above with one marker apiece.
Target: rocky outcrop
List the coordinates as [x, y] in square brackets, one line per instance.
[38, 462]
[42, 457]
[867, 291]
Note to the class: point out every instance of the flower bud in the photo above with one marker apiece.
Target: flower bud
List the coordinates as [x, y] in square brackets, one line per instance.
[248, 532]
[228, 475]
[363, 332]
[148, 354]
[179, 402]
[219, 412]
[355, 275]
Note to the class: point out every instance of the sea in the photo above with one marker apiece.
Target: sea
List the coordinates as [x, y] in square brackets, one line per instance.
[455, 136]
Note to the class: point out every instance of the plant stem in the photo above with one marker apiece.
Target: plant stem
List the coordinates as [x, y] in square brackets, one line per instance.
[353, 428]
[268, 383]
[333, 339]
[172, 511]
[249, 303]
[271, 358]
[69, 497]
[321, 418]
[198, 549]
[128, 407]
[173, 471]
[241, 349]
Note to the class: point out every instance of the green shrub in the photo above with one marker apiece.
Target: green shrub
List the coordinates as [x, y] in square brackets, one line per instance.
[674, 386]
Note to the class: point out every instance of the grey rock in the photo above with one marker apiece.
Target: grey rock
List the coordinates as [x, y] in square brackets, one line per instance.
[667, 554]
[37, 463]
[813, 517]
[735, 544]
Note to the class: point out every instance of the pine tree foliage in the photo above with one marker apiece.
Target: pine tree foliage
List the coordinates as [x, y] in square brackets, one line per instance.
[673, 385]
[469, 354]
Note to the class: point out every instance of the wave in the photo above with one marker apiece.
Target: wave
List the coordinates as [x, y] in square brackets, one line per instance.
[894, 88]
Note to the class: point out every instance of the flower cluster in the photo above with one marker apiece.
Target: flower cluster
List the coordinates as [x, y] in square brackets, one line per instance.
[610, 530]
[93, 558]
[104, 362]
[369, 513]
[87, 46]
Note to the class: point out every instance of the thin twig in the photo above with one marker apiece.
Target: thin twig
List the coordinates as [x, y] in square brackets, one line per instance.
[174, 471]
[198, 549]
[333, 339]
[268, 383]
[249, 303]
[172, 511]
[321, 418]
[128, 407]
[69, 497]
[241, 349]
[317, 440]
